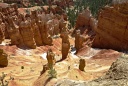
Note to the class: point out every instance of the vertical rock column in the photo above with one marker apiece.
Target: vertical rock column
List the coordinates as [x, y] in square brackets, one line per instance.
[50, 58]
[36, 32]
[65, 45]
[1, 32]
[3, 59]
[82, 64]
[14, 33]
[27, 34]
[79, 39]
[47, 40]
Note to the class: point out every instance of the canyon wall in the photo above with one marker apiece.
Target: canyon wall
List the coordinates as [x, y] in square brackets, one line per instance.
[112, 28]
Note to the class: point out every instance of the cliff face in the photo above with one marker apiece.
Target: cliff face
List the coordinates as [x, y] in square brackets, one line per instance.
[112, 28]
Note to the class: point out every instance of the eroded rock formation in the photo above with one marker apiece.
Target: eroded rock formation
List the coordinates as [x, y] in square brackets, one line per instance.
[1, 31]
[63, 3]
[36, 32]
[82, 64]
[14, 33]
[86, 23]
[51, 58]
[65, 45]
[27, 34]
[84, 18]
[3, 59]
[79, 40]
[36, 28]
[62, 24]
[112, 28]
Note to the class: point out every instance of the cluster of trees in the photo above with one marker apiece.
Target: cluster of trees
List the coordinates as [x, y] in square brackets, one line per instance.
[80, 5]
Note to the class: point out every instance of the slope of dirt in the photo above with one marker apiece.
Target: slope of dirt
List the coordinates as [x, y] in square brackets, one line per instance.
[33, 60]
[116, 76]
[68, 69]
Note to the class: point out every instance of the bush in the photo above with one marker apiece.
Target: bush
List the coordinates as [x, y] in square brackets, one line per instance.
[52, 73]
[2, 81]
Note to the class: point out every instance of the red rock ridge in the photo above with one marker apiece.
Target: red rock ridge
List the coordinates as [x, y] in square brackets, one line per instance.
[112, 28]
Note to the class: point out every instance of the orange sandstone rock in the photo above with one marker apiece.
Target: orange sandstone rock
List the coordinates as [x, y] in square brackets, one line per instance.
[14, 33]
[79, 40]
[27, 34]
[65, 45]
[51, 58]
[82, 64]
[36, 32]
[3, 59]
[1, 32]
[112, 28]
[84, 18]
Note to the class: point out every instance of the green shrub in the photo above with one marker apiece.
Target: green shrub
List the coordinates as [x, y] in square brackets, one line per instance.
[22, 67]
[52, 73]
[3, 82]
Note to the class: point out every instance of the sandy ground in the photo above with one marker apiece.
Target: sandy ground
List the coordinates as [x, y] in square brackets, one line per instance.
[97, 63]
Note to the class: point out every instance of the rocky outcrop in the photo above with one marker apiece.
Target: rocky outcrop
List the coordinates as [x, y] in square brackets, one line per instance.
[29, 30]
[79, 40]
[62, 24]
[50, 58]
[14, 33]
[86, 23]
[54, 9]
[65, 45]
[1, 32]
[10, 10]
[27, 34]
[112, 28]
[36, 32]
[56, 27]
[82, 64]
[83, 18]
[3, 59]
